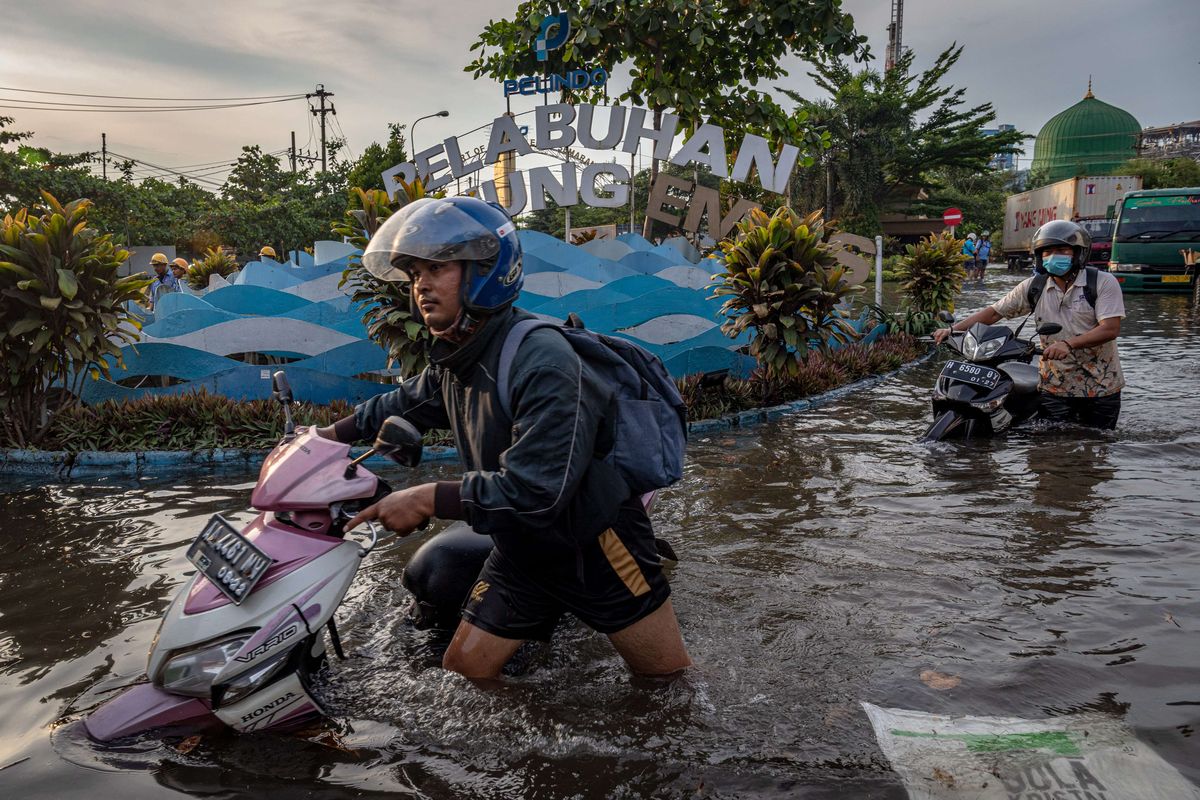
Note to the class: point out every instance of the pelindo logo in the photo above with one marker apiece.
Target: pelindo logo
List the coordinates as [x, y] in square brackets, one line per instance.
[544, 44]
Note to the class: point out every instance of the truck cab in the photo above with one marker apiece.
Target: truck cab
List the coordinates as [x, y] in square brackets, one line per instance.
[1101, 231]
[1154, 230]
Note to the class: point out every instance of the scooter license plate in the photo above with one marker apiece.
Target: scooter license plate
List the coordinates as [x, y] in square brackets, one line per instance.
[229, 560]
[971, 373]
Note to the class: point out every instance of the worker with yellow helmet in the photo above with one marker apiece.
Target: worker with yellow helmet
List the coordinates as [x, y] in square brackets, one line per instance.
[268, 252]
[164, 281]
[179, 268]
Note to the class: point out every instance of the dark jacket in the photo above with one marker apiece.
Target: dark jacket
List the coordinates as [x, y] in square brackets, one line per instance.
[536, 477]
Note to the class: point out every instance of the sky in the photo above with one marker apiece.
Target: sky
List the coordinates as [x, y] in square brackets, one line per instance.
[396, 60]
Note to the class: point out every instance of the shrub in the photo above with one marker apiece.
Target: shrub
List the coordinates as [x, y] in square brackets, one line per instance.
[815, 372]
[64, 311]
[386, 306]
[932, 273]
[215, 262]
[192, 421]
[783, 282]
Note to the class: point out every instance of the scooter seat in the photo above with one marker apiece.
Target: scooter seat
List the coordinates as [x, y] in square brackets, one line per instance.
[1024, 376]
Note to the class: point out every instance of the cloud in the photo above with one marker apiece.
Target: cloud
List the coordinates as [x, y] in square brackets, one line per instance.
[391, 61]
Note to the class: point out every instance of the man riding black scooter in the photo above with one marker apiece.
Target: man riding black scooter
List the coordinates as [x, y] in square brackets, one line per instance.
[1080, 376]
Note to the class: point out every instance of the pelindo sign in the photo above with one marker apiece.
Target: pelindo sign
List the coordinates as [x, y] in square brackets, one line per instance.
[546, 42]
[606, 185]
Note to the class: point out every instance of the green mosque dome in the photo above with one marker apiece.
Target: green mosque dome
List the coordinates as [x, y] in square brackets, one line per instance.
[1089, 138]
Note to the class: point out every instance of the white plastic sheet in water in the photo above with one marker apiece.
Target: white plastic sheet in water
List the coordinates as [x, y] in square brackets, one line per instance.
[1077, 757]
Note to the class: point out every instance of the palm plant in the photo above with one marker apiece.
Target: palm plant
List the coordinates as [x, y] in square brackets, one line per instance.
[386, 306]
[66, 312]
[215, 262]
[932, 273]
[783, 282]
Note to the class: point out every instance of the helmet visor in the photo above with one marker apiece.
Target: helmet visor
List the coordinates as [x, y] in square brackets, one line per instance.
[428, 229]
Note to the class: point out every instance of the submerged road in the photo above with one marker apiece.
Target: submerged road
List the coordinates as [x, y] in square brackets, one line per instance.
[827, 559]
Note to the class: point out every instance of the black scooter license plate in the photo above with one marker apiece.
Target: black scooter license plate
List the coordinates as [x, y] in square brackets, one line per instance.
[228, 559]
[971, 373]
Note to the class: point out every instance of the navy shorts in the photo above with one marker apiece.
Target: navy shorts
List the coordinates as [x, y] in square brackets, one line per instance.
[608, 583]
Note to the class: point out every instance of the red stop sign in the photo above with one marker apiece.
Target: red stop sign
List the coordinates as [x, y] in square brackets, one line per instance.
[952, 216]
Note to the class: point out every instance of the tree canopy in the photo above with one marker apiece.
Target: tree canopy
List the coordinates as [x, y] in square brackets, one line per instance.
[260, 203]
[894, 136]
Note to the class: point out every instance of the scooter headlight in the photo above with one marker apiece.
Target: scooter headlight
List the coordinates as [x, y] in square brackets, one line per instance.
[990, 405]
[252, 680]
[976, 350]
[192, 672]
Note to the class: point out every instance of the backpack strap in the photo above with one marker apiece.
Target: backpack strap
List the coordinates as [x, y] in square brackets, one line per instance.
[1036, 287]
[1089, 287]
[508, 354]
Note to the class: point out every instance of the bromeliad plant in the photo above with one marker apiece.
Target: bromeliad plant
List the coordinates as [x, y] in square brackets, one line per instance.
[215, 262]
[387, 310]
[65, 312]
[932, 273]
[784, 283]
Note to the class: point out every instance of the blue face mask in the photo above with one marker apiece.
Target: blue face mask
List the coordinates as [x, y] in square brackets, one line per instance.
[1057, 264]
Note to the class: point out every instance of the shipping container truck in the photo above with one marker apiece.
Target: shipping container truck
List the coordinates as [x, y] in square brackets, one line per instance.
[1089, 201]
[1156, 235]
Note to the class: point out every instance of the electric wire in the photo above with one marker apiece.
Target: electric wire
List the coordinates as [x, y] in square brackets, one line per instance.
[127, 97]
[142, 110]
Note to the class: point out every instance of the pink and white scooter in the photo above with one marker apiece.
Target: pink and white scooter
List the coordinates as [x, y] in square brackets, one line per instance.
[241, 641]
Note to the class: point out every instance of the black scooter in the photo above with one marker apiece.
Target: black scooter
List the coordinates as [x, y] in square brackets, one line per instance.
[991, 388]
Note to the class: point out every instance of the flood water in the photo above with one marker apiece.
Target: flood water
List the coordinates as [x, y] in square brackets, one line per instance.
[827, 559]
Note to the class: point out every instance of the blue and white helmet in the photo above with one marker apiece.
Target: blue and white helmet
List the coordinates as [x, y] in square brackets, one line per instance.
[465, 229]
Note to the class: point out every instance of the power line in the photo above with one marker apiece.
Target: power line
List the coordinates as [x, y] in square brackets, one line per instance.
[126, 97]
[124, 105]
[147, 109]
[345, 140]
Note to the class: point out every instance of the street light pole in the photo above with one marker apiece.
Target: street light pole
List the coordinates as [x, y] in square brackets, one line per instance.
[413, 128]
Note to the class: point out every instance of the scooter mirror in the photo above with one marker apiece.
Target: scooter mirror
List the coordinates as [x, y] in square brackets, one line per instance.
[946, 317]
[283, 390]
[399, 441]
[1048, 328]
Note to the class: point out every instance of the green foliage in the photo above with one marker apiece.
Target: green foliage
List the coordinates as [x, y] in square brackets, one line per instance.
[932, 273]
[699, 60]
[784, 283]
[815, 372]
[260, 203]
[386, 306]
[367, 172]
[199, 421]
[1171, 173]
[892, 134]
[215, 262]
[980, 194]
[63, 311]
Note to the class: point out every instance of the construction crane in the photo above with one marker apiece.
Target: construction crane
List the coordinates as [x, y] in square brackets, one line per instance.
[895, 30]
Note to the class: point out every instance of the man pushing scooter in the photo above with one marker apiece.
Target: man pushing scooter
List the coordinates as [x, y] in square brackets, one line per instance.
[537, 426]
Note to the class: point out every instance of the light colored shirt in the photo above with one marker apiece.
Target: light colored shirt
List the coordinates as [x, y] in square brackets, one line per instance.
[1086, 371]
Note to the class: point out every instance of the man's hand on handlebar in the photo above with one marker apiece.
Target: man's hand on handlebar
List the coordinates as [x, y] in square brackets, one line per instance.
[942, 334]
[401, 512]
[1056, 351]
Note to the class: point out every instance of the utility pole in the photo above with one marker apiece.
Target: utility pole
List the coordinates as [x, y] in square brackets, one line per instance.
[321, 94]
[104, 155]
[292, 153]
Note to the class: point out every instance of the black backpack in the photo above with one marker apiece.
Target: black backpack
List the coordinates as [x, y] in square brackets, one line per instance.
[1038, 285]
[651, 425]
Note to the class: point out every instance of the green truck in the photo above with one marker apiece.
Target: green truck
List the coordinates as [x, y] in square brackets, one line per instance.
[1155, 232]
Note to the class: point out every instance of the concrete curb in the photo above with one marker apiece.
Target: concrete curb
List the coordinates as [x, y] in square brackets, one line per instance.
[63, 465]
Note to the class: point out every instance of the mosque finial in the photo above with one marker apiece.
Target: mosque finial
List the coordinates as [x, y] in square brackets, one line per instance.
[1089, 95]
